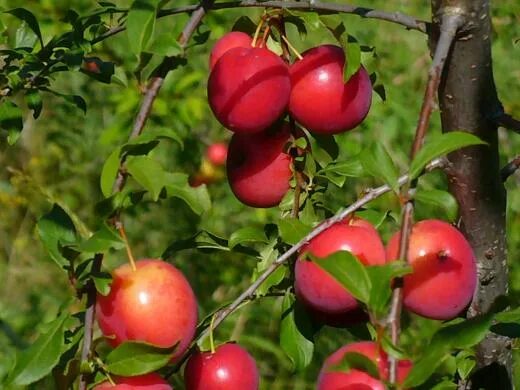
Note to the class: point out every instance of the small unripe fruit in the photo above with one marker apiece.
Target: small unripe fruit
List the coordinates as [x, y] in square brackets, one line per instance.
[259, 167]
[248, 89]
[320, 291]
[229, 367]
[320, 99]
[226, 43]
[154, 304]
[142, 382]
[444, 270]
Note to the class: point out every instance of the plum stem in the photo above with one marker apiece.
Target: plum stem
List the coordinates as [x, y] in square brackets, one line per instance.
[257, 31]
[292, 48]
[211, 340]
[122, 232]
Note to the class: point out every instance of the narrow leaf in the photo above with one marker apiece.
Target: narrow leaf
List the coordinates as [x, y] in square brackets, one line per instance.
[293, 230]
[147, 172]
[378, 163]
[109, 172]
[441, 200]
[30, 19]
[296, 333]
[140, 24]
[40, 358]
[247, 234]
[197, 198]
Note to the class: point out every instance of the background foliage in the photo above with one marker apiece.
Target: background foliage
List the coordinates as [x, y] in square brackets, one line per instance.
[60, 156]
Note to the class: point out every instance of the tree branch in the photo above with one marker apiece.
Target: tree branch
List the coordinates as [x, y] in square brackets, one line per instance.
[370, 195]
[510, 168]
[449, 26]
[410, 22]
[508, 122]
[152, 91]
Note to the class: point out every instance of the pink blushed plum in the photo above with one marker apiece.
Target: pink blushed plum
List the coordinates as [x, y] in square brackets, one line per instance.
[444, 270]
[226, 43]
[153, 304]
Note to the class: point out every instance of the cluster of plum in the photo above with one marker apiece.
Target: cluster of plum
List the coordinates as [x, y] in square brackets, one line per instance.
[250, 89]
[154, 303]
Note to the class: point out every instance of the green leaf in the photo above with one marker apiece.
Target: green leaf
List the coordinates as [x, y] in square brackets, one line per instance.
[147, 172]
[466, 362]
[381, 277]
[247, 234]
[358, 361]
[441, 200]
[40, 358]
[25, 37]
[296, 333]
[141, 24]
[75, 100]
[245, 25]
[34, 102]
[462, 335]
[352, 58]
[102, 240]
[56, 228]
[145, 142]
[375, 217]
[441, 145]
[509, 316]
[11, 119]
[109, 173]
[30, 19]
[326, 149]
[165, 45]
[348, 271]
[293, 230]
[102, 281]
[133, 358]
[197, 198]
[378, 163]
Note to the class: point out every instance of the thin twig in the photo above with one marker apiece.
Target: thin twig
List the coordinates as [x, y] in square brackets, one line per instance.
[449, 26]
[508, 122]
[410, 22]
[510, 168]
[370, 195]
[144, 111]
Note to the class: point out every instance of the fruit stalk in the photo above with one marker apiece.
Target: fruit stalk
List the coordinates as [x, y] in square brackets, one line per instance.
[449, 26]
[152, 91]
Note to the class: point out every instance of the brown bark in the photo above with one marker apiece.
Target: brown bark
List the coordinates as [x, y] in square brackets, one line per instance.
[468, 99]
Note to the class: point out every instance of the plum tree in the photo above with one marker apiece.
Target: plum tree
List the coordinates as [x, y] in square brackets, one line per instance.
[153, 303]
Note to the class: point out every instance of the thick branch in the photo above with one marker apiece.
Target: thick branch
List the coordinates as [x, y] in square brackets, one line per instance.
[410, 22]
[449, 27]
[370, 195]
[144, 111]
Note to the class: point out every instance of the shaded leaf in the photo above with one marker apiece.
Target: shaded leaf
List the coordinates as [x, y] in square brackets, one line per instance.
[441, 200]
[296, 333]
[378, 163]
[348, 271]
[56, 228]
[34, 102]
[30, 19]
[141, 24]
[11, 120]
[109, 173]
[40, 358]
[358, 361]
[104, 239]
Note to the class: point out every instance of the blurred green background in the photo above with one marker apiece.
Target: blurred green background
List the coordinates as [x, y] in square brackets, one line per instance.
[60, 155]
